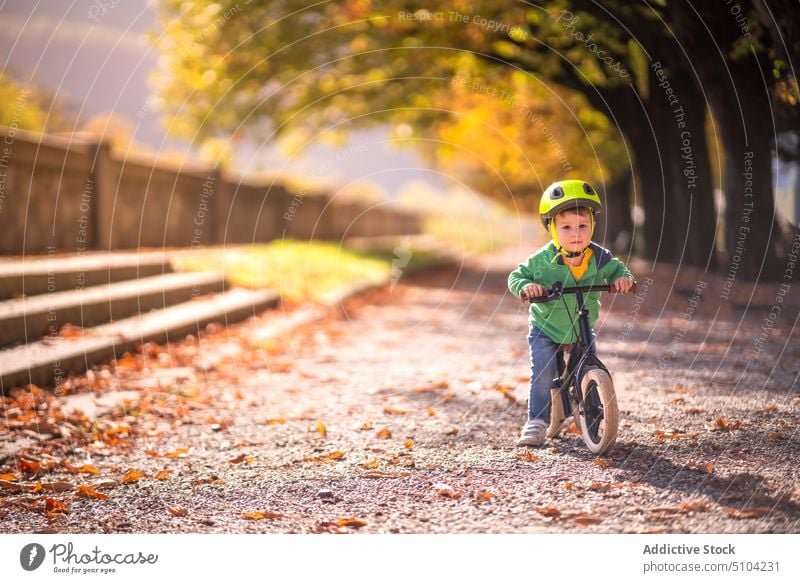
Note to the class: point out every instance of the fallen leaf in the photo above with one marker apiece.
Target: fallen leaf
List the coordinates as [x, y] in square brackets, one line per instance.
[585, 519]
[52, 507]
[132, 476]
[404, 461]
[452, 431]
[84, 491]
[527, 456]
[380, 474]
[321, 429]
[12, 487]
[393, 411]
[695, 506]
[549, 511]
[722, 424]
[333, 456]
[484, 496]
[384, 433]
[277, 421]
[366, 426]
[371, 464]
[744, 513]
[178, 453]
[776, 436]
[446, 490]
[568, 485]
[431, 412]
[162, 475]
[263, 515]
[603, 462]
[8, 477]
[177, 511]
[505, 391]
[351, 522]
[767, 409]
[409, 443]
[56, 487]
[238, 459]
[662, 435]
[678, 401]
[572, 429]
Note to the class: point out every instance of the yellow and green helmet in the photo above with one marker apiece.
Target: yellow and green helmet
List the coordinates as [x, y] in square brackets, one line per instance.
[566, 194]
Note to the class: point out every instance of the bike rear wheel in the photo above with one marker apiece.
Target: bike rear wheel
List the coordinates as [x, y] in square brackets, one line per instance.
[599, 415]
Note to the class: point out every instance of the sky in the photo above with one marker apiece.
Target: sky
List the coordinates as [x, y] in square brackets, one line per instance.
[95, 54]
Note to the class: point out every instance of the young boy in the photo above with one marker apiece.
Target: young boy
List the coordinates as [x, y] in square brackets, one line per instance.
[567, 210]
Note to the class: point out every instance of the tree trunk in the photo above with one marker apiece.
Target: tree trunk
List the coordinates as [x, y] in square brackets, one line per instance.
[615, 225]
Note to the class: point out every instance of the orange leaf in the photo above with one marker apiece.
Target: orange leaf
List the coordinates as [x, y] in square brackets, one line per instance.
[409, 443]
[37, 488]
[88, 469]
[132, 476]
[52, 506]
[603, 462]
[88, 492]
[568, 485]
[393, 411]
[162, 475]
[181, 452]
[748, 512]
[333, 456]
[431, 411]
[586, 519]
[722, 424]
[263, 515]
[29, 467]
[696, 505]
[321, 429]
[384, 433]
[352, 522]
[177, 510]
[370, 465]
[548, 511]
[366, 426]
[8, 477]
[485, 496]
[278, 421]
[527, 456]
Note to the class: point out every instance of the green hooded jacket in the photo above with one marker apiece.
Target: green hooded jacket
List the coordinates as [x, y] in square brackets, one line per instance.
[545, 267]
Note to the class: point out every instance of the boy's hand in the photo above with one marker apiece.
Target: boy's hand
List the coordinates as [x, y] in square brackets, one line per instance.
[532, 290]
[623, 285]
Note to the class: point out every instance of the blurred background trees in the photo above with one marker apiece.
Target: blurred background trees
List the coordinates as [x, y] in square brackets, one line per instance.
[650, 101]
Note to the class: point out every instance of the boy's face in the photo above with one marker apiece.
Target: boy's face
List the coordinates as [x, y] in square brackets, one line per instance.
[574, 230]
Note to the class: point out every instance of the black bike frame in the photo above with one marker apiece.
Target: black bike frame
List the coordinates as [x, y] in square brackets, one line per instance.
[584, 355]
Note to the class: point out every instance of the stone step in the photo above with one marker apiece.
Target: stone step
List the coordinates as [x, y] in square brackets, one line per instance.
[29, 318]
[37, 275]
[46, 363]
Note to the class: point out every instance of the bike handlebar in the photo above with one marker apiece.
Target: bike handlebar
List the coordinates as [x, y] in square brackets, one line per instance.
[559, 290]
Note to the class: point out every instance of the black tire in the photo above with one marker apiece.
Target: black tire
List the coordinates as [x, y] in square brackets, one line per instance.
[599, 416]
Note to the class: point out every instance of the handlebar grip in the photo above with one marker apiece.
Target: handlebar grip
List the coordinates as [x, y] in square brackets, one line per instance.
[540, 299]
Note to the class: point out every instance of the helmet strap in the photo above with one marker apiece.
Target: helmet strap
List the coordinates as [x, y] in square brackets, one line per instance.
[559, 248]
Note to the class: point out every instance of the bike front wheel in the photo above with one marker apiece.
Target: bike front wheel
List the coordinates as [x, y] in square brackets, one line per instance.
[599, 414]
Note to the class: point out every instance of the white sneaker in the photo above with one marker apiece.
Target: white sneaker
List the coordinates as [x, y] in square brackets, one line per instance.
[533, 433]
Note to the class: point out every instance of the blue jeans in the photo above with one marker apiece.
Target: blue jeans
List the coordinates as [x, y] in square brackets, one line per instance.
[543, 371]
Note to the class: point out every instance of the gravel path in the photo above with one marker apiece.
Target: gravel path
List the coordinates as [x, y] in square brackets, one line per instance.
[400, 414]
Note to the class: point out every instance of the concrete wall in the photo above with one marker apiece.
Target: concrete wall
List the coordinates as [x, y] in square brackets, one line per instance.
[67, 195]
